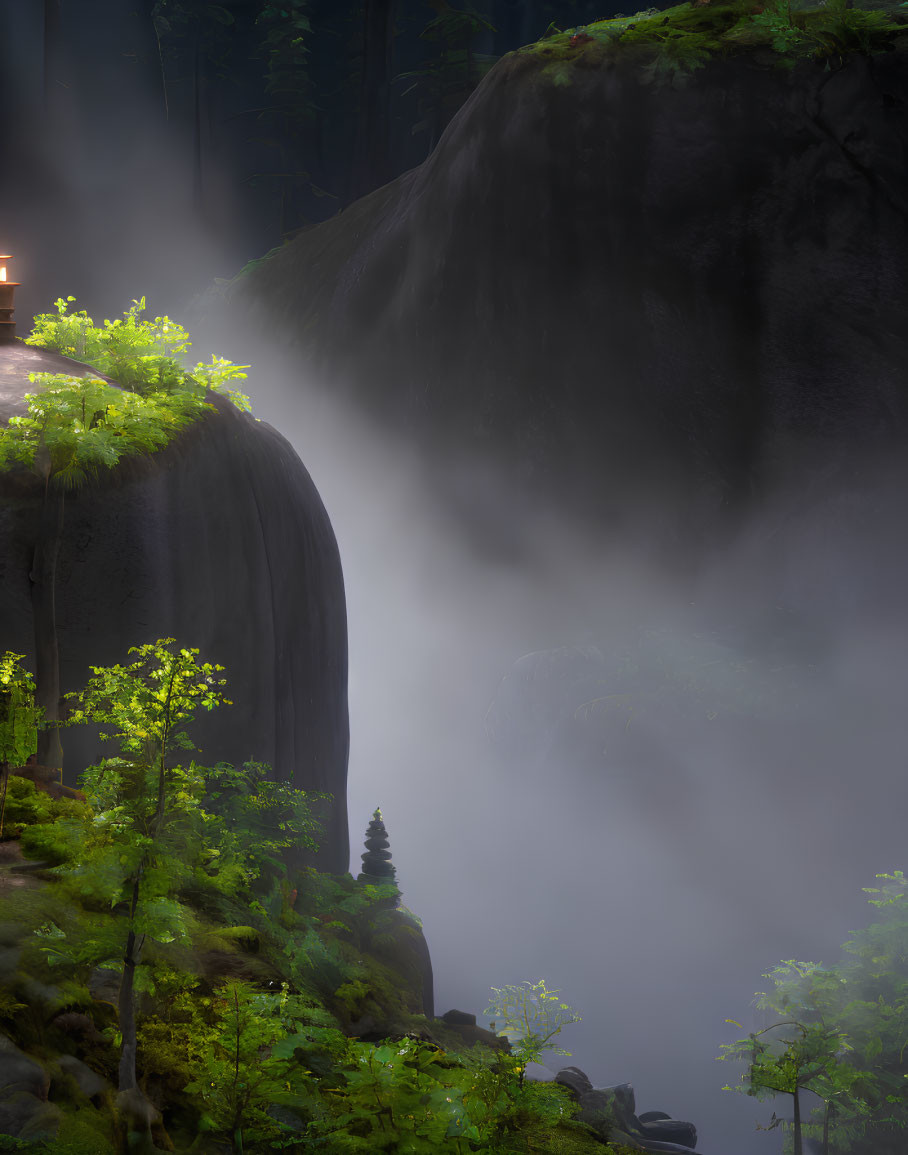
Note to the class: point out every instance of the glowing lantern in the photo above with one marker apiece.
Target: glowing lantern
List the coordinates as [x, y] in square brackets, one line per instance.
[7, 294]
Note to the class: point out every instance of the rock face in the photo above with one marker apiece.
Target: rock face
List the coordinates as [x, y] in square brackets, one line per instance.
[610, 1112]
[221, 541]
[634, 291]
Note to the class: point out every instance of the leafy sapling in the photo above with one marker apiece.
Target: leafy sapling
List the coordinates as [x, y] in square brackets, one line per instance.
[157, 824]
[532, 1016]
[788, 1057]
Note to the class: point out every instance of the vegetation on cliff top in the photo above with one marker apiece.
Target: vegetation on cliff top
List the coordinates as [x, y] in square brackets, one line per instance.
[675, 41]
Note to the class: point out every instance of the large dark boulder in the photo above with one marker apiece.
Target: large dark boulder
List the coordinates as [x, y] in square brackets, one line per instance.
[645, 296]
[221, 541]
[610, 1111]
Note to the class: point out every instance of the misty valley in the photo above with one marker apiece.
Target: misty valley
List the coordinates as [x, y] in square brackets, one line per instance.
[452, 700]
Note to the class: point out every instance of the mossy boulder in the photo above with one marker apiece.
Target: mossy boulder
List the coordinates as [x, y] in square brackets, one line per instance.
[219, 540]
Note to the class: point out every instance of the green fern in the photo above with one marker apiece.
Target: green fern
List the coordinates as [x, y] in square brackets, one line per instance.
[141, 355]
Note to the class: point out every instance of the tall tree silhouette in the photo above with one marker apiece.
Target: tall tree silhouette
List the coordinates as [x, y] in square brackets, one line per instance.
[371, 161]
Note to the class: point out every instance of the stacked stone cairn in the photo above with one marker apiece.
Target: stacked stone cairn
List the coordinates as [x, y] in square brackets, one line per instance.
[377, 866]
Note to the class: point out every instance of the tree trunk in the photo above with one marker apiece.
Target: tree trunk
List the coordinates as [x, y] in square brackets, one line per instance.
[798, 1149]
[371, 165]
[4, 774]
[47, 654]
[126, 1010]
[136, 1113]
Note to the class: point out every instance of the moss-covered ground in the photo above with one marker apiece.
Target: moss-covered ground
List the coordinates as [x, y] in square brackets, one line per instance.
[673, 42]
[297, 1012]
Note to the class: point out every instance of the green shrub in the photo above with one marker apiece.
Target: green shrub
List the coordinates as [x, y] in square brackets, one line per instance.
[27, 806]
[140, 355]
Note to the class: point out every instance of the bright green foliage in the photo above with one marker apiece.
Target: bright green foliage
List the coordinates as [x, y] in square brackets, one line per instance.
[19, 717]
[408, 1096]
[175, 825]
[143, 356]
[76, 426]
[532, 1017]
[142, 705]
[149, 837]
[240, 1073]
[32, 816]
[252, 819]
[791, 1056]
[862, 1000]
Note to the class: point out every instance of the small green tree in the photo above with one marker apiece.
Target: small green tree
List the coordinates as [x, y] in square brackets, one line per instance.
[532, 1017]
[242, 1071]
[143, 795]
[151, 832]
[785, 1062]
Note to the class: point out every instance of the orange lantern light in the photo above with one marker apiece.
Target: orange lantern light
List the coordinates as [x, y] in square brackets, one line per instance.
[7, 296]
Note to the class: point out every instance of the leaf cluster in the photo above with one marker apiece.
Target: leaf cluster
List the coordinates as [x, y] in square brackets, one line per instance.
[844, 1031]
[683, 38]
[142, 355]
[76, 426]
[19, 716]
[532, 1016]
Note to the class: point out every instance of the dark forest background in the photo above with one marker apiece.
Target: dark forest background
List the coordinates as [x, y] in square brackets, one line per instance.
[272, 116]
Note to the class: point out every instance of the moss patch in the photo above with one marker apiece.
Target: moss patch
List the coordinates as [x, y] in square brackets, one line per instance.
[672, 43]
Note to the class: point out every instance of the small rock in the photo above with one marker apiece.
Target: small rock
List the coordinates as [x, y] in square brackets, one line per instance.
[670, 1131]
[459, 1019]
[25, 1117]
[575, 1079]
[20, 1073]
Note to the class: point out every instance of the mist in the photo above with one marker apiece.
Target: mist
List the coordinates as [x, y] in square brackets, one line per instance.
[646, 782]
[642, 775]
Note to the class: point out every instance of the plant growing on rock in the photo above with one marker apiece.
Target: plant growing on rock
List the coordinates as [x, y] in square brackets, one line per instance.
[142, 356]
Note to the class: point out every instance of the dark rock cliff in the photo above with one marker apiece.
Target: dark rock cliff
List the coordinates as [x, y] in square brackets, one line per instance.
[221, 541]
[630, 289]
